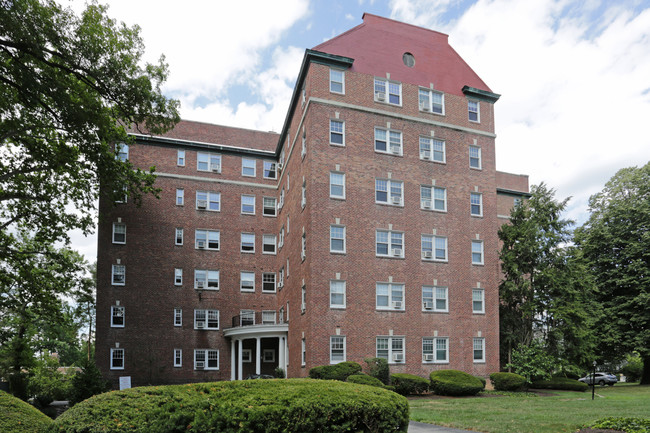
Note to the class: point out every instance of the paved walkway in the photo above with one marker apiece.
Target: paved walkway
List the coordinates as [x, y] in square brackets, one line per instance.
[420, 427]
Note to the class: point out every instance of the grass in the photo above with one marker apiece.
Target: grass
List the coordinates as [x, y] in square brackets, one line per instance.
[563, 412]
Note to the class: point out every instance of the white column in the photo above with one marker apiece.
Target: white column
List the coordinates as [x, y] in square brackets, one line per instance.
[240, 365]
[281, 354]
[233, 359]
[258, 355]
[286, 354]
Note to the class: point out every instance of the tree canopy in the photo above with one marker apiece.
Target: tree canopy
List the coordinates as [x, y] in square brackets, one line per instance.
[615, 242]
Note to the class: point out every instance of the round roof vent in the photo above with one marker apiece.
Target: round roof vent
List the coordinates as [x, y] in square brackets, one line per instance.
[408, 59]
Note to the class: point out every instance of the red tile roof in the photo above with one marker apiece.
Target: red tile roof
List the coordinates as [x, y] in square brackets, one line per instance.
[378, 44]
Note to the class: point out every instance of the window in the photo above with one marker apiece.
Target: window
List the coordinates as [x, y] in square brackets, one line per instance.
[270, 170]
[117, 359]
[388, 91]
[180, 158]
[281, 278]
[337, 239]
[476, 204]
[281, 202]
[337, 81]
[478, 298]
[473, 111]
[180, 197]
[475, 157]
[268, 244]
[337, 349]
[435, 350]
[178, 277]
[303, 350]
[119, 233]
[206, 359]
[207, 239]
[477, 252]
[246, 355]
[268, 355]
[121, 151]
[248, 167]
[247, 281]
[303, 299]
[303, 151]
[268, 317]
[391, 349]
[516, 201]
[270, 208]
[434, 248]
[178, 317]
[388, 141]
[479, 349]
[178, 357]
[390, 296]
[432, 149]
[435, 298]
[433, 198]
[281, 238]
[208, 201]
[389, 243]
[248, 204]
[337, 294]
[246, 317]
[117, 316]
[208, 162]
[206, 279]
[337, 132]
[303, 200]
[248, 242]
[432, 101]
[178, 239]
[389, 192]
[118, 275]
[206, 319]
[303, 245]
[268, 282]
[337, 185]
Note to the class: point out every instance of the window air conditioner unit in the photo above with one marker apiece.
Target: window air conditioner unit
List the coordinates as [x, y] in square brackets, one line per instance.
[200, 324]
[426, 204]
[426, 154]
[428, 357]
[394, 150]
[424, 107]
[398, 357]
[380, 96]
[200, 244]
[397, 304]
[428, 305]
[397, 252]
[396, 200]
[200, 284]
[427, 254]
[215, 167]
[202, 204]
[200, 365]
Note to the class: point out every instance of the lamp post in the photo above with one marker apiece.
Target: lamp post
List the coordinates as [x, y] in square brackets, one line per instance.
[593, 382]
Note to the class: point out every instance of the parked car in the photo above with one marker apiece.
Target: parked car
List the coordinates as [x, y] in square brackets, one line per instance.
[601, 379]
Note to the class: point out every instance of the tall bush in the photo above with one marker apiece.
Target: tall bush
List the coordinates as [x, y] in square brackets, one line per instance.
[532, 362]
[47, 383]
[87, 382]
[378, 368]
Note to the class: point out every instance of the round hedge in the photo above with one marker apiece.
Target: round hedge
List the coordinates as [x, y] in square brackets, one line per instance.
[409, 384]
[281, 405]
[507, 381]
[364, 379]
[454, 382]
[561, 383]
[340, 371]
[16, 416]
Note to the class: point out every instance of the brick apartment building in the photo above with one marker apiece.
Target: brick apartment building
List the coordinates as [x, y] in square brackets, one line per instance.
[366, 227]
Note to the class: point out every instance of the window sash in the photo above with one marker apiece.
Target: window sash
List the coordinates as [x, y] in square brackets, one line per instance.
[248, 167]
[268, 282]
[270, 170]
[476, 200]
[337, 84]
[478, 299]
[248, 204]
[247, 281]
[248, 242]
[337, 349]
[336, 132]
[337, 294]
[337, 239]
[119, 233]
[477, 252]
[337, 185]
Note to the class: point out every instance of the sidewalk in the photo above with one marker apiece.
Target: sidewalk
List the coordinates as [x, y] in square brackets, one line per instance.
[420, 427]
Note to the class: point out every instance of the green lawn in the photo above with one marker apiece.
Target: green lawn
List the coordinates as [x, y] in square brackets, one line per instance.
[565, 411]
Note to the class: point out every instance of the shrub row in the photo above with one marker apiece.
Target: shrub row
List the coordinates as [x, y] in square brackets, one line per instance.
[340, 371]
[364, 379]
[16, 416]
[562, 383]
[455, 383]
[300, 405]
[508, 381]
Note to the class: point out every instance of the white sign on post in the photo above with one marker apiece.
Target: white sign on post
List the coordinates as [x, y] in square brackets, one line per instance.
[125, 382]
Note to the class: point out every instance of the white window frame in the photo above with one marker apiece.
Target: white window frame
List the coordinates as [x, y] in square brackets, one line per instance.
[203, 315]
[211, 198]
[433, 200]
[209, 277]
[118, 311]
[338, 352]
[180, 158]
[205, 355]
[207, 238]
[430, 297]
[436, 242]
[394, 303]
[270, 170]
[478, 158]
[245, 204]
[388, 142]
[303, 150]
[178, 276]
[391, 243]
[336, 132]
[117, 270]
[473, 198]
[178, 357]
[179, 237]
[266, 208]
[387, 91]
[246, 356]
[333, 80]
[247, 243]
[248, 164]
[266, 281]
[245, 280]
[268, 355]
[178, 317]
[342, 238]
[115, 355]
[115, 232]
[208, 160]
[269, 240]
[390, 196]
[474, 251]
[303, 196]
[303, 246]
[426, 104]
[303, 351]
[478, 343]
[477, 111]
[428, 151]
[121, 152]
[180, 197]
[269, 317]
[336, 176]
[433, 343]
[391, 350]
[338, 288]
[478, 295]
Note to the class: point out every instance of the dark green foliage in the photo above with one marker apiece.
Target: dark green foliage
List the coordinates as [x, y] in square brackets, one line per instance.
[561, 383]
[16, 416]
[18, 383]
[339, 371]
[454, 382]
[282, 405]
[532, 362]
[482, 379]
[409, 384]
[364, 379]
[628, 425]
[87, 382]
[378, 368]
[278, 373]
[47, 383]
[508, 381]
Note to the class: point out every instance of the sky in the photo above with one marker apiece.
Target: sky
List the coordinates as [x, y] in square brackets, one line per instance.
[574, 75]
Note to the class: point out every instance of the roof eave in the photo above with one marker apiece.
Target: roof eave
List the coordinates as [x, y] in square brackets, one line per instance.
[482, 95]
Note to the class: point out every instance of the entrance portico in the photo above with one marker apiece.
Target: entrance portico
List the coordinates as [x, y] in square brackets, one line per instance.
[238, 335]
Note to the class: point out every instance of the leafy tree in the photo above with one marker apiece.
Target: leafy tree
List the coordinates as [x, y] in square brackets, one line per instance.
[87, 382]
[544, 292]
[615, 243]
[69, 87]
[532, 362]
[47, 383]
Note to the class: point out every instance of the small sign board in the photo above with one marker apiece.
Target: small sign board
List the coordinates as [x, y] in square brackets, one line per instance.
[125, 382]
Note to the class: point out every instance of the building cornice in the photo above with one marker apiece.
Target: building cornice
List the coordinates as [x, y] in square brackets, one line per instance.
[513, 192]
[223, 148]
[482, 95]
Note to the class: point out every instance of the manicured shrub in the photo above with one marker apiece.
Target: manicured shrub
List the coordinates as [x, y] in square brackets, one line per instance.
[562, 383]
[628, 425]
[16, 416]
[507, 381]
[409, 384]
[339, 371]
[454, 382]
[281, 405]
[378, 368]
[364, 379]
[482, 379]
